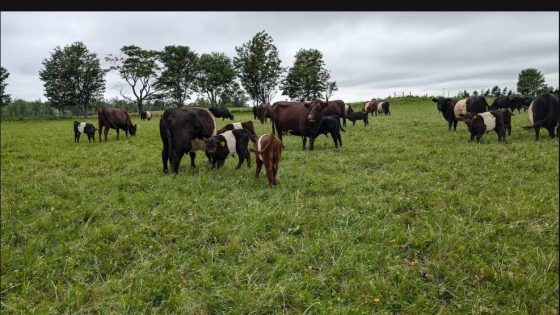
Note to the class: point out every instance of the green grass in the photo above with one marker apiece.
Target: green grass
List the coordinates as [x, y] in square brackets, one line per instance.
[406, 212]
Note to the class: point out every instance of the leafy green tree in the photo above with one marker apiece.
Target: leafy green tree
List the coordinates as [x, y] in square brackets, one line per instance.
[258, 67]
[179, 76]
[73, 76]
[531, 82]
[5, 99]
[138, 67]
[475, 93]
[308, 78]
[496, 91]
[216, 77]
[505, 91]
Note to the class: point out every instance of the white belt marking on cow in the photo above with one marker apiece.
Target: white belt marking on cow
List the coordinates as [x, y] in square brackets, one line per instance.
[259, 147]
[367, 106]
[460, 108]
[148, 115]
[230, 140]
[81, 127]
[379, 107]
[237, 125]
[346, 108]
[489, 120]
[530, 112]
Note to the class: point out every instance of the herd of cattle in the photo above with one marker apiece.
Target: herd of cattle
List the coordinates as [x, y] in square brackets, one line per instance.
[187, 130]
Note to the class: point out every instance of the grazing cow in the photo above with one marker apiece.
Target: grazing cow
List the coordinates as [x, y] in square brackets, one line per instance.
[82, 127]
[331, 124]
[300, 118]
[358, 116]
[506, 118]
[146, 115]
[184, 130]
[371, 107]
[445, 105]
[383, 108]
[264, 112]
[268, 152]
[480, 123]
[228, 143]
[543, 112]
[256, 112]
[247, 125]
[221, 112]
[115, 118]
[338, 108]
[452, 109]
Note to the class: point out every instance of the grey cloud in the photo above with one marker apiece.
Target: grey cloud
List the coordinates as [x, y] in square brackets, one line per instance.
[367, 53]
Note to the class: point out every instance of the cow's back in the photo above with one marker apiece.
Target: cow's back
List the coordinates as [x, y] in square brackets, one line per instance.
[288, 115]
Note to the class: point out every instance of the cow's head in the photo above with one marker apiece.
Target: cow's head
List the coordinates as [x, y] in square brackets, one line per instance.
[442, 103]
[468, 118]
[213, 143]
[315, 111]
[132, 129]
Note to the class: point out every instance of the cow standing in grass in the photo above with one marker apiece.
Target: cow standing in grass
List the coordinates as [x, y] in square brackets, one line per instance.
[221, 112]
[247, 125]
[268, 152]
[543, 113]
[115, 118]
[82, 127]
[481, 123]
[146, 115]
[184, 130]
[358, 116]
[219, 147]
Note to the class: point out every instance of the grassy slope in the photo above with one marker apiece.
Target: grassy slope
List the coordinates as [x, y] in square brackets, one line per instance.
[406, 213]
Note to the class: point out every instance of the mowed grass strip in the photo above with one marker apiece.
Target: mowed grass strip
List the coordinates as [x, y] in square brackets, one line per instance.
[406, 217]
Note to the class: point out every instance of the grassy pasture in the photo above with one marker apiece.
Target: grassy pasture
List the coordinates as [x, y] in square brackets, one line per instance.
[405, 218]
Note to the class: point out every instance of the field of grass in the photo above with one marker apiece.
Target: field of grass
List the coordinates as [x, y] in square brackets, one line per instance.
[405, 218]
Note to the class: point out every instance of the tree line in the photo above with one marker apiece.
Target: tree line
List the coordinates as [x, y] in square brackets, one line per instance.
[72, 76]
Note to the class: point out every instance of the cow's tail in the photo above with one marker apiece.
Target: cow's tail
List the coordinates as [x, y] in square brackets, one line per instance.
[257, 152]
[340, 125]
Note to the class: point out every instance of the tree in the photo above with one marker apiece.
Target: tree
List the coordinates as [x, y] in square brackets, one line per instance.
[331, 87]
[307, 79]
[5, 99]
[505, 91]
[475, 93]
[73, 76]
[139, 69]
[258, 67]
[496, 91]
[216, 77]
[530, 82]
[179, 75]
[466, 94]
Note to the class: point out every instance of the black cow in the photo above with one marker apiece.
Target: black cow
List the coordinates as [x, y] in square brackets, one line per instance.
[184, 130]
[300, 118]
[480, 123]
[512, 102]
[331, 124]
[115, 118]
[543, 112]
[247, 125]
[445, 105]
[385, 108]
[82, 127]
[358, 116]
[228, 143]
[221, 112]
[338, 108]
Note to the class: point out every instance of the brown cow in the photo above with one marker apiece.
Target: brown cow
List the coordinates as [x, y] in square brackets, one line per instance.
[115, 118]
[268, 152]
[299, 118]
[371, 107]
[184, 130]
[338, 108]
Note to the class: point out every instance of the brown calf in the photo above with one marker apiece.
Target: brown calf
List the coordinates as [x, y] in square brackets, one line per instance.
[268, 152]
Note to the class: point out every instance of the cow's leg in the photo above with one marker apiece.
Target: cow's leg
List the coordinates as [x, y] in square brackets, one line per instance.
[455, 125]
[339, 139]
[258, 168]
[449, 123]
[269, 172]
[311, 143]
[550, 132]
[106, 132]
[241, 160]
[478, 138]
[192, 155]
[99, 131]
[209, 157]
[117, 133]
[175, 159]
[537, 131]
[165, 157]
[344, 121]
[126, 133]
[335, 139]
[274, 163]
[472, 137]
[304, 139]
[248, 157]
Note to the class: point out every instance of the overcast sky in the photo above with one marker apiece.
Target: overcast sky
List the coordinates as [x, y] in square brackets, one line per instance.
[369, 54]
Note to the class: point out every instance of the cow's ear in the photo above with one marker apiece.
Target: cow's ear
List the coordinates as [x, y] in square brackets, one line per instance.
[434, 100]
